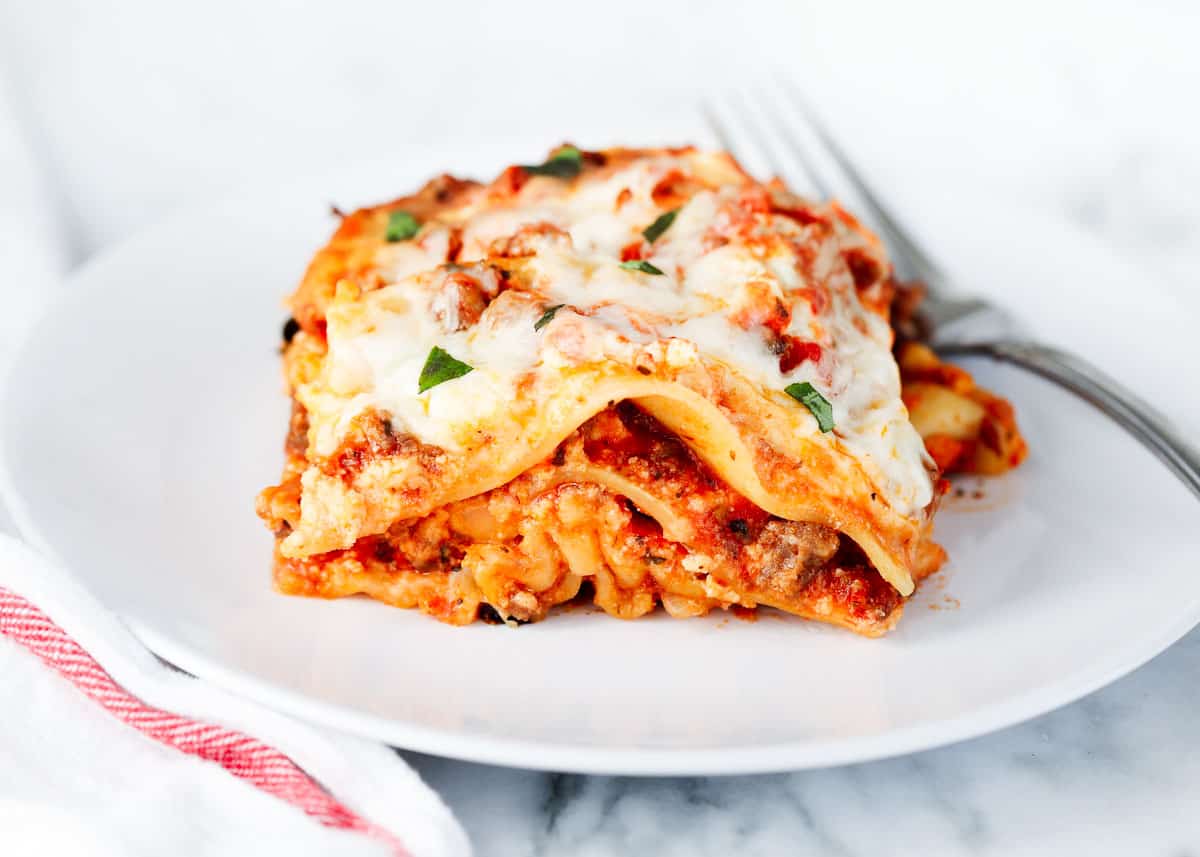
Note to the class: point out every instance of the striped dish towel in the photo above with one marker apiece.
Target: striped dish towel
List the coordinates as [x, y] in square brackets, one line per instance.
[105, 750]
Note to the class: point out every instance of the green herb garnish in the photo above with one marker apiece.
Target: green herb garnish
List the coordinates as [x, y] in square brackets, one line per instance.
[566, 163]
[401, 226]
[440, 367]
[547, 317]
[659, 226]
[807, 395]
[640, 265]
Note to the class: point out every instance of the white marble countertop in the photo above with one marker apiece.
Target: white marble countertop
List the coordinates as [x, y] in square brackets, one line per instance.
[128, 110]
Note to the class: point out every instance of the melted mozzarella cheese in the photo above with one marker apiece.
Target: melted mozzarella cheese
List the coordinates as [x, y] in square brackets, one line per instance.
[697, 307]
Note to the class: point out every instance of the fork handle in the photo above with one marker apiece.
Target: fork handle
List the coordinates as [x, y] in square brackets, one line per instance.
[1150, 427]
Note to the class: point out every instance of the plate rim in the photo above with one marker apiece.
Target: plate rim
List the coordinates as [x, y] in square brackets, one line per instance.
[534, 755]
[649, 762]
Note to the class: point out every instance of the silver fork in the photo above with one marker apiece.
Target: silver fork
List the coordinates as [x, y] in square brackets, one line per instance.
[952, 321]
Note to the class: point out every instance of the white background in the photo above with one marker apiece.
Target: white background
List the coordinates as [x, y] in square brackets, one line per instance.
[119, 113]
[134, 108]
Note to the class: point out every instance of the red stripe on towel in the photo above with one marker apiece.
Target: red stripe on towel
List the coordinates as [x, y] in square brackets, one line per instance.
[246, 758]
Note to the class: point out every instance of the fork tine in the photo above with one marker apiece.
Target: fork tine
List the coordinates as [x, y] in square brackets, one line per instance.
[902, 242]
[770, 145]
[720, 131]
[725, 138]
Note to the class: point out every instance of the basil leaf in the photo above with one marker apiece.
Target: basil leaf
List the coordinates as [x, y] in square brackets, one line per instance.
[401, 226]
[547, 317]
[440, 367]
[641, 265]
[818, 405]
[659, 226]
[566, 163]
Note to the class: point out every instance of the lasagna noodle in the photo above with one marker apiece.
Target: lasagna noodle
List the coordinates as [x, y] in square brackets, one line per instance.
[481, 494]
[625, 506]
[752, 447]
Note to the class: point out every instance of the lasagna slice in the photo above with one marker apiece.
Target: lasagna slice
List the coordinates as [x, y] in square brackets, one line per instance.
[636, 376]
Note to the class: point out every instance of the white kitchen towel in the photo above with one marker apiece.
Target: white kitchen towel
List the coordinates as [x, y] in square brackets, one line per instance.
[106, 750]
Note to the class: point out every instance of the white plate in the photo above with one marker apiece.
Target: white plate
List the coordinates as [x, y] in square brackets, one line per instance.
[146, 412]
